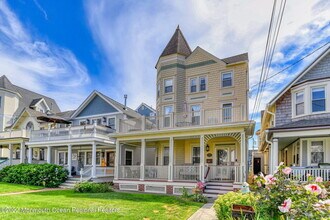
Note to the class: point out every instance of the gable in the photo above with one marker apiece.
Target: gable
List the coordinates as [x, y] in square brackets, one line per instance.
[319, 71]
[143, 110]
[201, 56]
[97, 106]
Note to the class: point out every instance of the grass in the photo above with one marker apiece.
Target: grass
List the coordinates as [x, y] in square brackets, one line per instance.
[66, 204]
[11, 188]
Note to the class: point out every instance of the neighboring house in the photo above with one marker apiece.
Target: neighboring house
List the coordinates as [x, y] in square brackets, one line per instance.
[80, 139]
[295, 126]
[146, 110]
[201, 127]
[19, 103]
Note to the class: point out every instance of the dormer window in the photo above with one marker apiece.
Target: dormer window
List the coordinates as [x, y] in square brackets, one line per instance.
[318, 99]
[168, 85]
[300, 106]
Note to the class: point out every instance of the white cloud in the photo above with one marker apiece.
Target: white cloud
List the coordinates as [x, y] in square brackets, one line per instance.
[37, 65]
[132, 35]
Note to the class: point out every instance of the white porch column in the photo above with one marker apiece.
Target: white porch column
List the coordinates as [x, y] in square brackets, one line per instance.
[23, 149]
[275, 154]
[143, 158]
[270, 160]
[171, 160]
[243, 158]
[69, 159]
[117, 155]
[30, 155]
[10, 147]
[49, 154]
[94, 160]
[202, 159]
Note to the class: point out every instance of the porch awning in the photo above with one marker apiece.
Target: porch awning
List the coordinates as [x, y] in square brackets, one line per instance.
[53, 119]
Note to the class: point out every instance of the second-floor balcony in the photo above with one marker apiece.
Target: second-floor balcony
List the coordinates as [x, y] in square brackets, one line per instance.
[14, 134]
[204, 117]
[73, 132]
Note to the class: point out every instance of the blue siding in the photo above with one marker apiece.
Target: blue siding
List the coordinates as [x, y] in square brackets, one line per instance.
[97, 106]
[146, 111]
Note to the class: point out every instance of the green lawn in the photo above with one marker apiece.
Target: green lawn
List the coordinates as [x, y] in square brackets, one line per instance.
[66, 204]
[9, 188]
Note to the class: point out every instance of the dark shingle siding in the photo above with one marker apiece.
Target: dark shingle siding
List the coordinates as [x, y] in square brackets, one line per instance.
[177, 45]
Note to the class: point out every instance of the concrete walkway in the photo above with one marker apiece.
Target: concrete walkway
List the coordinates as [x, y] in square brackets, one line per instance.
[31, 191]
[207, 212]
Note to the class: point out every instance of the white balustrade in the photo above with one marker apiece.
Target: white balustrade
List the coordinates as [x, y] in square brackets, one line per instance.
[186, 172]
[129, 172]
[224, 173]
[301, 174]
[156, 172]
[105, 171]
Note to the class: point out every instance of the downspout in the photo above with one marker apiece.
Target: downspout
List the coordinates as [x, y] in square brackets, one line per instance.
[270, 153]
[273, 114]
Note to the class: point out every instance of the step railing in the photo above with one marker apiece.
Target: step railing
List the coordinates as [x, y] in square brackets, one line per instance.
[302, 174]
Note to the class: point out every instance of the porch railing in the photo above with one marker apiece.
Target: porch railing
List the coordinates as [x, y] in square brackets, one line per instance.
[129, 172]
[104, 171]
[156, 172]
[74, 132]
[4, 163]
[186, 173]
[14, 134]
[301, 174]
[204, 117]
[231, 173]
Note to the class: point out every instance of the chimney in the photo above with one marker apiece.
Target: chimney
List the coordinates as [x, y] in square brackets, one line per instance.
[125, 97]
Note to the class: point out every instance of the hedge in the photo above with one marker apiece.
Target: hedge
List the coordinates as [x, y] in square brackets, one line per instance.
[47, 175]
[89, 187]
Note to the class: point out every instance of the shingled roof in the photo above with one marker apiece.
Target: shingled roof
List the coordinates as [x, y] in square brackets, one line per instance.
[177, 45]
[305, 123]
[236, 58]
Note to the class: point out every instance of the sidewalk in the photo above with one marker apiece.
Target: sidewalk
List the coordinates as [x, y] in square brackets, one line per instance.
[207, 212]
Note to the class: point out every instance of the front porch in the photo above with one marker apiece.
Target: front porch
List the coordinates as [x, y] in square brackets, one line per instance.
[177, 162]
[306, 152]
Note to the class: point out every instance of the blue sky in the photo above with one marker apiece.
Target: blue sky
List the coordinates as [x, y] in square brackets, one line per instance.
[66, 49]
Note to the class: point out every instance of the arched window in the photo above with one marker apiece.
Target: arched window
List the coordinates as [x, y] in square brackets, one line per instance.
[29, 126]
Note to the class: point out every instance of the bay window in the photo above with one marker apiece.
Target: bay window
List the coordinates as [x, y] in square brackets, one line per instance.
[300, 106]
[168, 85]
[318, 99]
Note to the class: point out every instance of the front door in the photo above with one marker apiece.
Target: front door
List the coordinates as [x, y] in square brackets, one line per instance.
[110, 159]
[225, 159]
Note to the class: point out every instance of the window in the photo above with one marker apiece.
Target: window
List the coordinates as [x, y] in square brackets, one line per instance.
[166, 156]
[196, 155]
[98, 157]
[227, 112]
[168, 85]
[158, 90]
[318, 99]
[193, 85]
[98, 121]
[317, 152]
[112, 123]
[42, 154]
[300, 107]
[227, 79]
[128, 157]
[83, 122]
[62, 158]
[167, 115]
[195, 114]
[89, 158]
[202, 83]
[29, 126]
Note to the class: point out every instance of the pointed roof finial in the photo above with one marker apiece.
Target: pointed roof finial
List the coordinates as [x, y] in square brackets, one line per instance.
[178, 27]
[177, 45]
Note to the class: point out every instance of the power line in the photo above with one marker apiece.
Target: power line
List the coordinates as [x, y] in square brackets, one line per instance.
[293, 64]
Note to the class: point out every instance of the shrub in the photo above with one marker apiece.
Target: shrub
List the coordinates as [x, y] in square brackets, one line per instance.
[89, 187]
[196, 196]
[47, 175]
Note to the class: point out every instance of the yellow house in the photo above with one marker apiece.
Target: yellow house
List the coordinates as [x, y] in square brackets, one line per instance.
[200, 130]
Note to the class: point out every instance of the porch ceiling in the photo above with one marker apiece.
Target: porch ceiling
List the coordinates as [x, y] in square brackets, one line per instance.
[236, 136]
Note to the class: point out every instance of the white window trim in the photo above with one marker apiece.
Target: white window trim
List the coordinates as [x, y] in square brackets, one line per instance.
[132, 151]
[198, 84]
[108, 121]
[311, 99]
[307, 88]
[163, 154]
[191, 151]
[58, 157]
[232, 79]
[309, 144]
[232, 110]
[166, 93]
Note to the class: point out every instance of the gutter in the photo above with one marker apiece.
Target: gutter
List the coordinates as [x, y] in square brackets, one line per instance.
[273, 114]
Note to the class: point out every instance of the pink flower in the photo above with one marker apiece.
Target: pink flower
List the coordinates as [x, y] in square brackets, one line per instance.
[324, 194]
[270, 179]
[286, 205]
[314, 188]
[287, 170]
[200, 185]
[258, 184]
[319, 179]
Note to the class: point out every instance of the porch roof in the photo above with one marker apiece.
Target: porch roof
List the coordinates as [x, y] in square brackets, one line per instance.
[306, 123]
